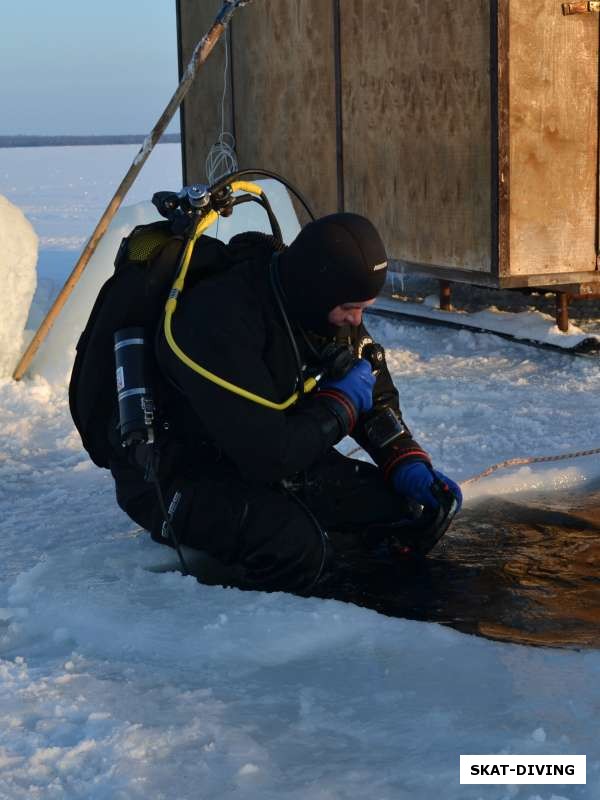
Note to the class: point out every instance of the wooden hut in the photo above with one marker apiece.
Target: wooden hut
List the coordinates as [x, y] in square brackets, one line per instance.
[467, 130]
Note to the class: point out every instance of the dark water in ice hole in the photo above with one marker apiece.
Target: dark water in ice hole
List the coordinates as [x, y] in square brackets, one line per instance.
[524, 570]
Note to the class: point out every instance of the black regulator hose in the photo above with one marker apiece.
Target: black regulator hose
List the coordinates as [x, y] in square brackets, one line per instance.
[278, 292]
[246, 173]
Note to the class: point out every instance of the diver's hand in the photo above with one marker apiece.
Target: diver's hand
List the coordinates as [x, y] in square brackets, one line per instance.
[352, 394]
[416, 481]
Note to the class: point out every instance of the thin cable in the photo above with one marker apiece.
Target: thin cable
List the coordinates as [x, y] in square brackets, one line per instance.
[321, 531]
[222, 158]
[278, 291]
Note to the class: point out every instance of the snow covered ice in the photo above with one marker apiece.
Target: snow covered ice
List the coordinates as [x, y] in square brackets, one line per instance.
[119, 682]
[536, 326]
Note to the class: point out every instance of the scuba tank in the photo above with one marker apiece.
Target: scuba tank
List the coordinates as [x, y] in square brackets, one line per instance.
[134, 395]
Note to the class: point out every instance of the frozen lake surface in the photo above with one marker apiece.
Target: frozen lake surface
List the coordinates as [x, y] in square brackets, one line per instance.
[119, 682]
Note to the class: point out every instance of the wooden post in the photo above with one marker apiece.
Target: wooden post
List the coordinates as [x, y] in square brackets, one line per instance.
[562, 311]
[199, 56]
[445, 296]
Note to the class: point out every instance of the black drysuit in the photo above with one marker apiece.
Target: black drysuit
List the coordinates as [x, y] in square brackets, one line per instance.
[253, 486]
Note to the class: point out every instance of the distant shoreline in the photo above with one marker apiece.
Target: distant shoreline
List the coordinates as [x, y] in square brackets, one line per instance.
[76, 141]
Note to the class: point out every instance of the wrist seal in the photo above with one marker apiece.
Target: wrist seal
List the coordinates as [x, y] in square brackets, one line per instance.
[341, 406]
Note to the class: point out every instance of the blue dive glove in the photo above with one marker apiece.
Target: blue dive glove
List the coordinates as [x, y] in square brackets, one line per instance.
[351, 395]
[357, 385]
[415, 481]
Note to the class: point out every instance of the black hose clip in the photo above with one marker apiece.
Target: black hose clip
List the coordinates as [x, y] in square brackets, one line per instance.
[375, 355]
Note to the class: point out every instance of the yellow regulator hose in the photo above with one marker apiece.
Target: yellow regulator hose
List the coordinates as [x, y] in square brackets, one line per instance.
[177, 288]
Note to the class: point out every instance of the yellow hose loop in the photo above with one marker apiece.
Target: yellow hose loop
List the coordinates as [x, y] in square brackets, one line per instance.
[171, 305]
[309, 385]
[247, 186]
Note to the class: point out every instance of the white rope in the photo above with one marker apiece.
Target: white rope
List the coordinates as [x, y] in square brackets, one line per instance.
[514, 462]
[517, 462]
[222, 158]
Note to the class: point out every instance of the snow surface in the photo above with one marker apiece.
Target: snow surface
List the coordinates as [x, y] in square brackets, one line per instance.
[119, 682]
[18, 259]
[64, 190]
[535, 326]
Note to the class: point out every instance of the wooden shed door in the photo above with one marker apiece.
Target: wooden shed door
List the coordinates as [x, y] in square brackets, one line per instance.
[553, 138]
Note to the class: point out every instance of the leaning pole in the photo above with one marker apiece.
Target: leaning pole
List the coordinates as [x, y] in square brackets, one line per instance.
[201, 52]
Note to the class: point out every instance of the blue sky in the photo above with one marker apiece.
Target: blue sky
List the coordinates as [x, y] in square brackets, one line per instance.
[70, 67]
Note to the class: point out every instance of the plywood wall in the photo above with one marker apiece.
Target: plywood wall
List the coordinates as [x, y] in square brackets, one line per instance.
[202, 106]
[416, 111]
[281, 100]
[285, 94]
[553, 135]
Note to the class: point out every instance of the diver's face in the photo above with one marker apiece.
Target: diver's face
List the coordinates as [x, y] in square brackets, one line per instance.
[348, 313]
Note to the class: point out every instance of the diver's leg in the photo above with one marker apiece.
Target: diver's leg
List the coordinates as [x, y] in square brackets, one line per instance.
[347, 494]
[255, 537]
[361, 512]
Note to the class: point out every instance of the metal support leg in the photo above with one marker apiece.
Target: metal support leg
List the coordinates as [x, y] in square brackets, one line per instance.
[445, 296]
[562, 311]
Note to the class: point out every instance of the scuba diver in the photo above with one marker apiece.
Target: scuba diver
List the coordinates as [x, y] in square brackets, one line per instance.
[262, 491]
[215, 381]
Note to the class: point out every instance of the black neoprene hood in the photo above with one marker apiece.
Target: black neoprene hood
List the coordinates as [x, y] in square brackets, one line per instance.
[334, 260]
